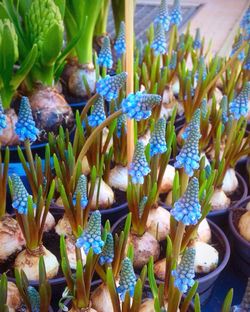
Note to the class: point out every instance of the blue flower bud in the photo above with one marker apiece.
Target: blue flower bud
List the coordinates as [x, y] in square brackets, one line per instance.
[139, 106]
[201, 69]
[204, 108]
[175, 16]
[34, 299]
[105, 55]
[163, 16]
[245, 24]
[195, 122]
[139, 167]
[91, 236]
[224, 108]
[173, 61]
[246, 65]
[188, 209]
[25, 126]
[107, 254]
[121, 123]
[120, 43]
[239, 106]
[159, 44]
[181, 43]
[3, 119]
[184, 274]
[237, 44]
[197, 40]
[81, 188]
[20, 195]
[110, 86]
[127, 279]
[142, 205]
[157, 141]
[97, 115]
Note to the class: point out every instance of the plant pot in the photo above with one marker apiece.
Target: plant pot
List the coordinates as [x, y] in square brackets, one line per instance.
[241, 247]
[146, 294]
[241, 168]
[52, 242]
[206, 282]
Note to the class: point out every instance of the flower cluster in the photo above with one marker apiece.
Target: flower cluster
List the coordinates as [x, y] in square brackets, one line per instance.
[237, 44]
[204, 108]
[224, 106]
[139, 167]
[188, 209]
[197, 40]
[105, 55]
[34, 299]
[246, 65]
[173, 61]
[139, 106]
[184, 274]
[121, 123]
[109, 86]
[97, 115]
[107, 254]
[181, 43]
[120, 43]
[239, 106]
[195, 122]
[3, 119]
[142, 205]
[20, 195]
[81, 188]
[245, 24]
[201, 69]
[176, 17]
[159, 44]
[157, 141]
[163, 16]
[25, 126]
[127, 279]
[91, 236]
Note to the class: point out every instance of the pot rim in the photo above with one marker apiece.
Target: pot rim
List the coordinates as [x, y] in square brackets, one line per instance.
[36, 144]
[231, 224]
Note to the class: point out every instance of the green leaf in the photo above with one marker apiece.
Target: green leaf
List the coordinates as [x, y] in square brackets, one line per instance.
[197, 306]
[112, 290]
[188, 299]
[228, 301]
[61, 5]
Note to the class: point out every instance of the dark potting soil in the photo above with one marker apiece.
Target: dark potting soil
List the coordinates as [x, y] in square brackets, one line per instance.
[120, 198]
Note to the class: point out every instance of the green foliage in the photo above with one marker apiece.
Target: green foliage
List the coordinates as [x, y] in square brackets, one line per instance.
[3, 292]
[4, 166]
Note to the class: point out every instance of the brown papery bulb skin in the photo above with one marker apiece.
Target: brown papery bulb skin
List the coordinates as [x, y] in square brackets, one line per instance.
[101, 300]
[9, 136]
[13, 297]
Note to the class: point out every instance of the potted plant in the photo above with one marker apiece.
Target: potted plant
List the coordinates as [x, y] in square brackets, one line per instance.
[10, 297]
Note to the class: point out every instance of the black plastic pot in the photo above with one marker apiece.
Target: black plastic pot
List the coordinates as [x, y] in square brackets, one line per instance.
[241, 247]
[206, 282]
[241, 167]
[52, 242]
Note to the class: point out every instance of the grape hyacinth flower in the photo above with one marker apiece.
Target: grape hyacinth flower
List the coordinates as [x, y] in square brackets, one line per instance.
[204, 108]
[20, 195]
[91, 236]
[239, 106]
[237, 44]
[181, 43]
[127, 279]
[246, 65]
[139, 106]
[142, 205]
[184, 274]
[3, 119]
[195, 122]
[223, 106]
[97, 115]
[245, 303]
[25, 126]
[188, 209]
[197, 40]
[139, 167]
[157, 141]
[188, 157]
[175, 16]
[105, 56]
[120, 43]
[140, 48]
[159, 44]
[173, 61]
[245, 24]
[109, 86]
[163, 16]
[201, 69]
[34, 299]
[107, 254]
[121, 123]
[81, 188]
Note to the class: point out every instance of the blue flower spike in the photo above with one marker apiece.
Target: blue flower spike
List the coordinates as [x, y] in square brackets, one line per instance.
[181, 43]
[34, 299]
[109, 86]
[173, 61]
[91, 236]
[3, 119]
[157, 141]
[142, 205]
[97, 115]
[25, 126]
[237, 44]
[245, 303]
[188, 209]
[105, 55]
[224, 109]
[204, 108]
[201, 69]
[127, 279]
[197, 40]
[184, 274]
[245, 24]
[120, 43]
[121, 123]
[159, 44]
[81, 188]
[107, 254]
[139, 167]
[163, 16]
[20, 195]
[239, 106]
[176, 16]
[246, 65]
[195, 122]
[139, 106]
